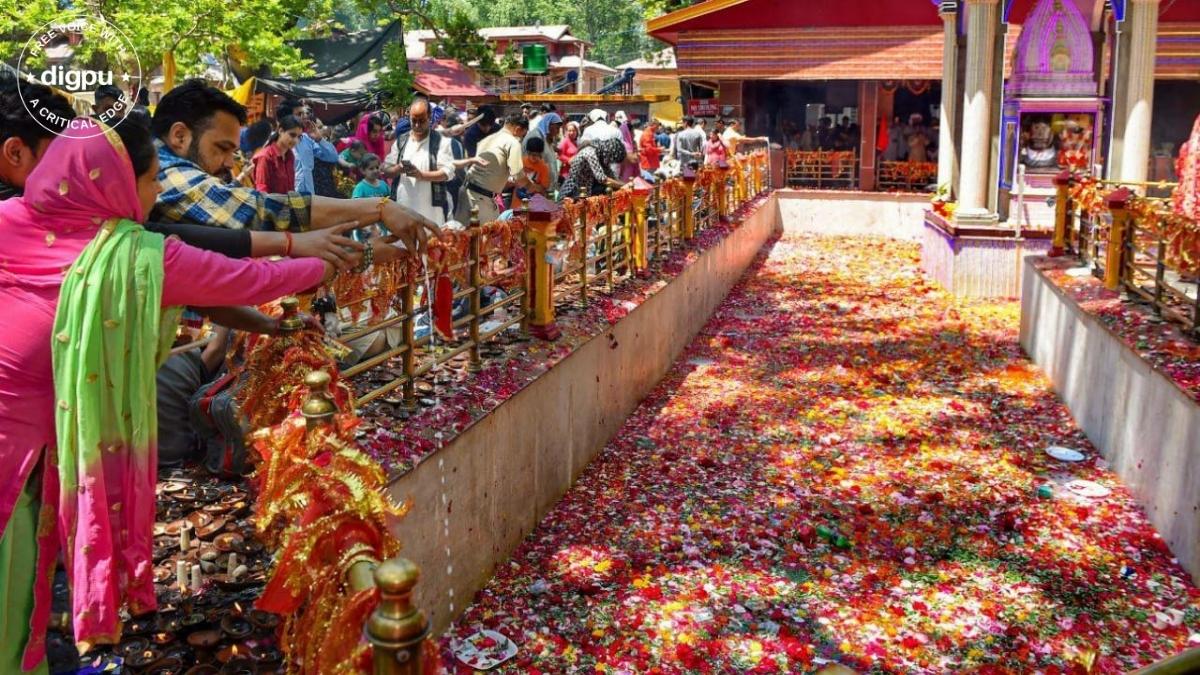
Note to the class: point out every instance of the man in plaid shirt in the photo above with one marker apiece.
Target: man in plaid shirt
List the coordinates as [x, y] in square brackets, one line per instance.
[197, 129]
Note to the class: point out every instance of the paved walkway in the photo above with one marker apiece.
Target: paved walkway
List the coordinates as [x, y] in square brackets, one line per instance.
[844, 466]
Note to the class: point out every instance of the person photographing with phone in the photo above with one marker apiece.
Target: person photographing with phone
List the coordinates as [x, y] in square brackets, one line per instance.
[420, 163]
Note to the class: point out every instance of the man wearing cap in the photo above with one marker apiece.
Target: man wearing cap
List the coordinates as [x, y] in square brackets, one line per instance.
[502, 165]
[599, 128]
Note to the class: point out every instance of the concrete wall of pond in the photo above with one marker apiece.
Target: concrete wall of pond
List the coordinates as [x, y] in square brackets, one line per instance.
[1144, 425]
[477, 498]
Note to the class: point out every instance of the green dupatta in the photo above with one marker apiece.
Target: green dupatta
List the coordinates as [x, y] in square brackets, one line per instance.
[110, 336]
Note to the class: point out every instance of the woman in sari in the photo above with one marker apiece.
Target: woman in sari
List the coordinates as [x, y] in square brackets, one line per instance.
[91, 301]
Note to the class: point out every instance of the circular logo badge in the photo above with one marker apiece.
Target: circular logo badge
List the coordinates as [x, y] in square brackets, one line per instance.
[80, 54]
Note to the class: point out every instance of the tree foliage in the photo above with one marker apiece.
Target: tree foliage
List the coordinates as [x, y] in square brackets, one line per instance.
[615, 27]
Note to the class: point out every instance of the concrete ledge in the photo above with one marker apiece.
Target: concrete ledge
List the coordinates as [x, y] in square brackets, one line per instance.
[976, 266]
[1140, 420]
[845, 212]
[474, 500]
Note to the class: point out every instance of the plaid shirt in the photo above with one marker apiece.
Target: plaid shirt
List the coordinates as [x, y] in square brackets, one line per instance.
[191, 194]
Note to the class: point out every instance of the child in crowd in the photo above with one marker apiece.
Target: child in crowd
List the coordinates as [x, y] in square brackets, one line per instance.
[351, 158]
[371, 185]
[536, 169]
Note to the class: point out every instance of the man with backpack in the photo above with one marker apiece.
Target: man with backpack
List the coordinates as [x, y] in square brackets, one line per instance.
[420, 163]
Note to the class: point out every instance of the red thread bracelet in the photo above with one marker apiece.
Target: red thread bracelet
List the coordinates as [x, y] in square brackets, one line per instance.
[287, 250]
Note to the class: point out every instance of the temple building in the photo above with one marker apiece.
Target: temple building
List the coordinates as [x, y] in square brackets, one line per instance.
[987, 98]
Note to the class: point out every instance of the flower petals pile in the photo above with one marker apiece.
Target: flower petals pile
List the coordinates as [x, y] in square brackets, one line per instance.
[846, 464]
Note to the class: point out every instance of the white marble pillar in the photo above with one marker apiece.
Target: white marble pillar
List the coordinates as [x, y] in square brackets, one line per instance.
[1141, 20]
[982, 17]
[947, 148]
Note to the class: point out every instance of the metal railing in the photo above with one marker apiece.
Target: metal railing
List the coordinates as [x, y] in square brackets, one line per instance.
[562, 254]
[907, 176]
[1133, 242]
[823, 169]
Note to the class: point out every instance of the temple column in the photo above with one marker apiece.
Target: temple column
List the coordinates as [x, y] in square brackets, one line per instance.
[982, 17]
[1142, 23]
[947, 152]
[868, 127]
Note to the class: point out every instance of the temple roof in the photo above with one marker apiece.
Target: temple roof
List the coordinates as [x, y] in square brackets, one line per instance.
[751, 14]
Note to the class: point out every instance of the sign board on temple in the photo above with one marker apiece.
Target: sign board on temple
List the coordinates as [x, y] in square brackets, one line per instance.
[704, 107]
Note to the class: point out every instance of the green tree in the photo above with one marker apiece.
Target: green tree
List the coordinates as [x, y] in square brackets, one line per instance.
[615, 27]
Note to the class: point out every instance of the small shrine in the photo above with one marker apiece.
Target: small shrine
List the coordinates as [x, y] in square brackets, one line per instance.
[1052, 113]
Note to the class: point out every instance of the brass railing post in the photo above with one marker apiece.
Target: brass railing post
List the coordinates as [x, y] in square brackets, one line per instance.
[1118, 204]
[583, 254]
[543, 218]
[1062, 191]
[475, 364]
[638, 238]
[688, 208]
[408, 358]
[397, 629]
[722, 190]
[610, 225]
[318, 408]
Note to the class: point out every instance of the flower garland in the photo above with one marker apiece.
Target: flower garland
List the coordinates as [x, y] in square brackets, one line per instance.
[1181, 235]
[1087, 193]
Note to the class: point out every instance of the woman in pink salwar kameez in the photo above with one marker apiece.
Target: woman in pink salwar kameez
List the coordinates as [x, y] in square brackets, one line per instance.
[83, 202]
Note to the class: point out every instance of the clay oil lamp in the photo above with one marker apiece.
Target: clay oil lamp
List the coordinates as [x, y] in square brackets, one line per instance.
[168, 623]
[172, 487]
[249, 546]
[205, 639]
[424, 387]
[266, 655]
[228, 541]
[163, 574]
[162, 638]
[193, 619]
[143, 658]
[141, 625]
[132, 646]
[239, 666]
[237, 651]
[235, 626]
[262, 620]
[167, 665]
[187, 494]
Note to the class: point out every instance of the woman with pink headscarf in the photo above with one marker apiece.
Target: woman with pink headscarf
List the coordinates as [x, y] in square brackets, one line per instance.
[91, 300]
[370, 132]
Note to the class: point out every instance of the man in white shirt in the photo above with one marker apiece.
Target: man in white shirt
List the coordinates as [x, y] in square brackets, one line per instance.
[421, 162]
[599, 128]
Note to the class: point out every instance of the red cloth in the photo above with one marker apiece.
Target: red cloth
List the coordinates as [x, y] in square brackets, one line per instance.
[274, 172]
[881, 142]
[651, 153]
[1187, 195]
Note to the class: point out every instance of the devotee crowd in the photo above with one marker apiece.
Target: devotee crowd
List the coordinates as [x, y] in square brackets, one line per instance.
[128, 229]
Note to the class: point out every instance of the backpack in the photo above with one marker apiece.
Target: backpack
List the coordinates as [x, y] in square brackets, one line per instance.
[438, 190]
